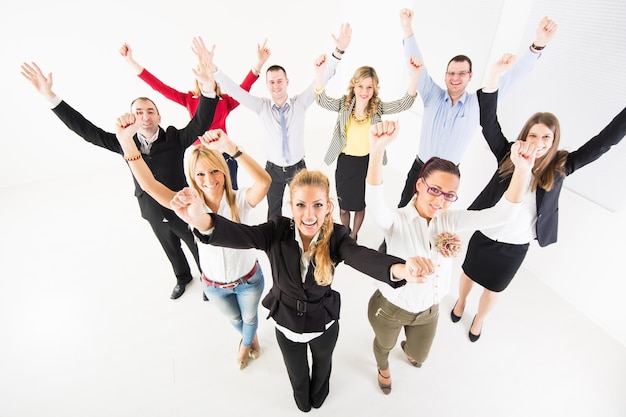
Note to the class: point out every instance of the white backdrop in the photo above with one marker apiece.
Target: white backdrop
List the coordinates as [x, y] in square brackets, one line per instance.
[78, 42]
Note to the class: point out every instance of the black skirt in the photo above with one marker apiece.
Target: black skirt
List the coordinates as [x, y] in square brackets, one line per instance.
[492, 264]
[350, 181]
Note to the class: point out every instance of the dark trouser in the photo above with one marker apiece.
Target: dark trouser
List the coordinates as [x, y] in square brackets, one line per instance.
[233, 166]
[409, 185]
[309, 390]
[281, 177]
[170, 233]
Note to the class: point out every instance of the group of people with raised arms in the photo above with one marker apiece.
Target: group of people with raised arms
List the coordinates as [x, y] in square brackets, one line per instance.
[187, 188]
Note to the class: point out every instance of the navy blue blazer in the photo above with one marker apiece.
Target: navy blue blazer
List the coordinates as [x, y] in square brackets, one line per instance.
[300, 307]
[547, 201]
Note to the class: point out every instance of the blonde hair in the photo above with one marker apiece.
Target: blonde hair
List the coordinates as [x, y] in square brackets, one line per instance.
[324, 267]
[359, 75]
[550, 164]
[215, 160]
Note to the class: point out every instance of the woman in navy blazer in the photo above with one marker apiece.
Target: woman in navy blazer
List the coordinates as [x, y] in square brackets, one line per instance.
[303, 253]
[494, 255]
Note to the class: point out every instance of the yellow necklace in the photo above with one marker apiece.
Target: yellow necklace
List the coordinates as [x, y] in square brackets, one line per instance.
[358, 119]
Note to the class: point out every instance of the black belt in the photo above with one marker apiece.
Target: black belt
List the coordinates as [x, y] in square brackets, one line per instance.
[285, 168]
[301, 306]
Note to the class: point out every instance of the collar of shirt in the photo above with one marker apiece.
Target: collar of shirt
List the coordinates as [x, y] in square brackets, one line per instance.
[305, 257]
[147, 143]
[460, 101]
[410, 210]
[286, 106]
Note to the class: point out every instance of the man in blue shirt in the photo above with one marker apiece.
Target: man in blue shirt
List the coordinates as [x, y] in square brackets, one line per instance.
[451, 115]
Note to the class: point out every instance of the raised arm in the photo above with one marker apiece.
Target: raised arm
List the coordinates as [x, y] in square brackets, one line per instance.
[544, 34]
[505, 62]
[228, 85]
[217, 139]
[263, 54]
[342, 41]
[527, 60]
[36, 77]
[320, 67]
[126, 127]
[380, 136]
[523, 157]
[204, 73]
[406, 22]
[188, 205]
[425, 84]
[127, 53]
[415, 69]
[184, 98]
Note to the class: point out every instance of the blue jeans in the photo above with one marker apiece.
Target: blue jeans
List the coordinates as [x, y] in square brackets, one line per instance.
[240, 304]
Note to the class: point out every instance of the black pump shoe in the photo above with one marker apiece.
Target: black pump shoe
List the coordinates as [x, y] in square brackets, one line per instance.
[474, 337]
[453, 316]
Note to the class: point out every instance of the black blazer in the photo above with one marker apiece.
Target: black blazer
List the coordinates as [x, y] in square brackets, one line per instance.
[288, 295]
[547, 201]
[166, 154]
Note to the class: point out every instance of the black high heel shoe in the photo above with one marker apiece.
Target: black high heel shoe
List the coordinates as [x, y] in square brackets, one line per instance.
[474, 337]
[453, 316]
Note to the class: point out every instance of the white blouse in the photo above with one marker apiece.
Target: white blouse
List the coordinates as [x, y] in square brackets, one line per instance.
[408, 234]
[222, 264]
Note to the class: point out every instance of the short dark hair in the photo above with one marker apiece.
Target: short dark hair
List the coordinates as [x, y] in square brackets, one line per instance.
[144, 98]
[276, 68]
[461, 58]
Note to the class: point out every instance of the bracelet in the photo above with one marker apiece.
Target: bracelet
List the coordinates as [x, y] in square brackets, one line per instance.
[339, 51]
[319, 91]
[236, 154]
[132, 158]
[537, 48]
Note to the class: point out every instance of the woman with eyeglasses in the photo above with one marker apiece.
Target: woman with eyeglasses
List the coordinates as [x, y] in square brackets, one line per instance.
[495, 255]
[426, 228]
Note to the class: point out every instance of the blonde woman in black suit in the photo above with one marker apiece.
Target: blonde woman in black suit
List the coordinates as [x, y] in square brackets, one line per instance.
[303, 252]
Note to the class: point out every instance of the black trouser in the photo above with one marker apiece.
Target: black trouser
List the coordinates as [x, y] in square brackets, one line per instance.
[170, 233]
[411, 179]
[309, 390]
[281, 177]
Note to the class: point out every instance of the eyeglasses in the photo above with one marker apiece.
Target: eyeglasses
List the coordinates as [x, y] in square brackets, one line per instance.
[434, 191]
[459, 73]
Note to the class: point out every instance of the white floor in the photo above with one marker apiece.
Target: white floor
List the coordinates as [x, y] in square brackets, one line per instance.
[88, 329]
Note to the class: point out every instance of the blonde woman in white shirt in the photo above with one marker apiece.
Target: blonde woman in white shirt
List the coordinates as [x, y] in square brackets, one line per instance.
[232, 278]
[426, 228]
